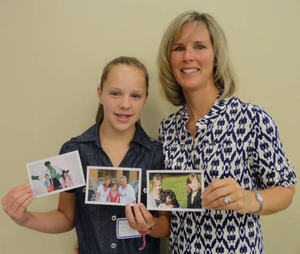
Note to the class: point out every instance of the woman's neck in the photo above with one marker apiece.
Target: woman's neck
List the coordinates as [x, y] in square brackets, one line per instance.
[200, 102]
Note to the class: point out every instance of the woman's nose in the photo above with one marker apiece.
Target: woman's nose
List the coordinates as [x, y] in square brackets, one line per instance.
[188, 54]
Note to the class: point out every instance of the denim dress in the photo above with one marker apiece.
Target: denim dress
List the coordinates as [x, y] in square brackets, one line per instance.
[96, 224]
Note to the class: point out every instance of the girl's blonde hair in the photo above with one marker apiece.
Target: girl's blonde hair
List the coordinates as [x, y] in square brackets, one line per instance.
[125, 60]
[224, 75]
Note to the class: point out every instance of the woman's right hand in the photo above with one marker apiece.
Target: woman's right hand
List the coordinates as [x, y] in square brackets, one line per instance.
[15, 203]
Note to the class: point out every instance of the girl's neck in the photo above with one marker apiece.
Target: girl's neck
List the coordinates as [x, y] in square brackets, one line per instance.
[109, 135]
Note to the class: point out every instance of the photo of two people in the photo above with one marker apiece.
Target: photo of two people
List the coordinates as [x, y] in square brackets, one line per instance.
[175, 190]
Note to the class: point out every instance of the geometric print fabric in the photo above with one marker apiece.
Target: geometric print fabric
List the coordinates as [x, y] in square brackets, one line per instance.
[235, 139]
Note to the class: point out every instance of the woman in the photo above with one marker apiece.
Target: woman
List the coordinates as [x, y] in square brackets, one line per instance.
[246, 172]
[153, 199]
[103, 190]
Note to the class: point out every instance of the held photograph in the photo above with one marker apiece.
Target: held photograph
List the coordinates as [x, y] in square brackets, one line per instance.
[56, 174]
[172, 190]
[113, 186]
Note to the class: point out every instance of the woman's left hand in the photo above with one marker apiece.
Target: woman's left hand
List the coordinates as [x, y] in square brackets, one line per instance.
[222, 190]
[141, 220]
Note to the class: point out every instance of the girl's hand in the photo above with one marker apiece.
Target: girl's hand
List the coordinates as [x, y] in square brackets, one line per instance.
[76, 248]
[242, 201]
[15, 203]
[143, 219]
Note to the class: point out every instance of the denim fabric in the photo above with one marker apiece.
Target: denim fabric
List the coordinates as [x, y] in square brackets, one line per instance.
[96, 224]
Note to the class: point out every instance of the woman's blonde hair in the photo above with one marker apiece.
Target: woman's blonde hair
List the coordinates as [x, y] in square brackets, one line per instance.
[224, 75]
[125, 60]
[189, 180]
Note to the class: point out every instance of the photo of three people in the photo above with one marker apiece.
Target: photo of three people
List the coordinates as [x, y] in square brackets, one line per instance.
[55, 174]
[113, 186]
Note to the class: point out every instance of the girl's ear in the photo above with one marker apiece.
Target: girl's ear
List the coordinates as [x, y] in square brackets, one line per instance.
[99, 93]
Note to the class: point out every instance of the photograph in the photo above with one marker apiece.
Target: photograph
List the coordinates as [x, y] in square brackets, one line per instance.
[174, 190]
[113, 186]
[55, 174]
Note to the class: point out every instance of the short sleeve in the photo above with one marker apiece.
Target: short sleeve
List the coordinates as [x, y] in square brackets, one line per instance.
[269, 161]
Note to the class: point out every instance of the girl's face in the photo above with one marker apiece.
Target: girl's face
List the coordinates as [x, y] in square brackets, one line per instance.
[193, 58]
[123, 96]
[157, 187]
[194, 185]
[47, 177]
[114, 188]
[65, 174]
[108, 181]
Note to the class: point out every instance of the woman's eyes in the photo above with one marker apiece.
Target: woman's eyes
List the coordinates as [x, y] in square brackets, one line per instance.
[181, 48]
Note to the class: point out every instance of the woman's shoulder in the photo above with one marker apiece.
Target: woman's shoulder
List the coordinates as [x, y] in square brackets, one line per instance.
[174, 116]
[236, 105]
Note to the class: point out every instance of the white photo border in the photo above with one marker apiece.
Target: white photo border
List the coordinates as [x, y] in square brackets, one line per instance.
[68, 161]
[175, 172]
[139, 170]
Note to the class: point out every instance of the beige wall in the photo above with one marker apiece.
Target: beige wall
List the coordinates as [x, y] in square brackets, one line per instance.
[52, 54]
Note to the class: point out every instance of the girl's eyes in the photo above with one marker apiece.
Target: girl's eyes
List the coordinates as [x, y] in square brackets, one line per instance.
[136, 96]
[115, 93]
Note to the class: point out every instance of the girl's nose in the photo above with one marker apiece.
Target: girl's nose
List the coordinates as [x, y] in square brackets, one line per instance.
[125, 102]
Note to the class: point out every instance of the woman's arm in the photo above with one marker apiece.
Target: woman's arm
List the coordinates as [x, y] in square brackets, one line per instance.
[15, 204]
[97, 196]
[244, 201]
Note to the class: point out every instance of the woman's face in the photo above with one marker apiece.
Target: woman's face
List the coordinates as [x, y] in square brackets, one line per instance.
[123, 96]
[157, 187]
[193, 58]
[194, 185]
[107, 181]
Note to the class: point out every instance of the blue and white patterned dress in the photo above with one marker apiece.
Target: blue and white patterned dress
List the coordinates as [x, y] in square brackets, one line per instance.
[235, 139]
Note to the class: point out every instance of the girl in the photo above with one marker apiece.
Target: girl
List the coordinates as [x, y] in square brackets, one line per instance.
[48, 183]
[66, 180]
[193, 188]
[154, 197]
[116, 140]
[103, 190]
[114, 195]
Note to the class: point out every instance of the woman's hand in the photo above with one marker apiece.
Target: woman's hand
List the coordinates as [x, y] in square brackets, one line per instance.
[15, 203]
[240, 200]
[143, 219]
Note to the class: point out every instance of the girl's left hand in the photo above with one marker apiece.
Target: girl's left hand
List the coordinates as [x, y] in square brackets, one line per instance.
[141, 220]
[242, 201]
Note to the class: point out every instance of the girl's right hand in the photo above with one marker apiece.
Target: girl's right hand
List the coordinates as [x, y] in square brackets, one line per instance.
[15, 203]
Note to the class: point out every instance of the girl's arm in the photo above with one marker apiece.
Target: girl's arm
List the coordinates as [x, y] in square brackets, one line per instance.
[108, 198]
[118, 199]
[60, 220]
[144, 220]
